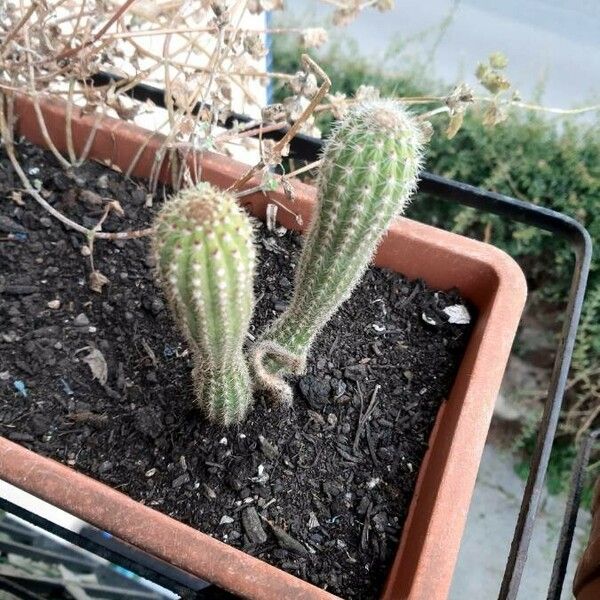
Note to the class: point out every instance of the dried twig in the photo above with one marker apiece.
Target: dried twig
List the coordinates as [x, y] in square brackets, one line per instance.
[311, 65]
[70, 52]
[363, 418]
[15, 30]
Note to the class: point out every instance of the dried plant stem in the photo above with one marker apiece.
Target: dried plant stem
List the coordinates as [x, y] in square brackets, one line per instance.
[260, 130]
[588, 422]
[214, 61]
[431, 113]
[69, 124]
[286, 177]
[174, 123]
[75, 26]
[546, 109]
[229, 74]
[44, 131]
[293, 130]
[70, 52]
[126, 35]
[90, 140]
[139, 153]
[591, 468]
[581, 377]
[166, 66]
[484, 99]
[122, 235]
[94, 232]
[406, 100]
[13, 32]
[125, 85]
[269, 74]
[70, 17]
[35, 194]
[304, 169]
[201, 69]
[170, 106]
[38, 111]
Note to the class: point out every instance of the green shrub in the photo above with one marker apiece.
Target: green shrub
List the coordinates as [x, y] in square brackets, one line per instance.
[552, 163]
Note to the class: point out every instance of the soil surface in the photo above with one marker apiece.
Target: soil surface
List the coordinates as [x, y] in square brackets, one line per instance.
[321, 490]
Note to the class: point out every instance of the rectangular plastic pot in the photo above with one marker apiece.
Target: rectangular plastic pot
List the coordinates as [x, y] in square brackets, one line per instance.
[425, 559]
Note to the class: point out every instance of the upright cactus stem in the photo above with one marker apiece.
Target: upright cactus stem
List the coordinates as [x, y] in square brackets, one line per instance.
[205, 258]
[369, 171]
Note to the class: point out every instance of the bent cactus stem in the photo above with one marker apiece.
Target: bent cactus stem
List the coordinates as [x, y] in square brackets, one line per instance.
[268, 359]
[369, 171]
[205, 257]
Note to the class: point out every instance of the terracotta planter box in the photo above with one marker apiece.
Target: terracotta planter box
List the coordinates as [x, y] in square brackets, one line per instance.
[586, 585]
[425, 559]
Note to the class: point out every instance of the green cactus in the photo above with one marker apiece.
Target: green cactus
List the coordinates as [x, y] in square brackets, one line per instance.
[205, 257]
[369, 170]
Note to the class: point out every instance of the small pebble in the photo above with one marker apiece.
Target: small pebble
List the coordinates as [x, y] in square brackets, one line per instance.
[312, 520]
[20, 387]
[105, 467]
[53, 304]
[380, 521]
[179, 481]
[268, 449]
[81, 320]
[209, 492]
[373, 482]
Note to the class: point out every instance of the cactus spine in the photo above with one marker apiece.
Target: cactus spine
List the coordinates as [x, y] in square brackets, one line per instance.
[205, 257]
[369, 171]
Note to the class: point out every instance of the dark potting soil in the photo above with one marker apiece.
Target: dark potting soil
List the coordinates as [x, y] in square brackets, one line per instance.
[320, 490]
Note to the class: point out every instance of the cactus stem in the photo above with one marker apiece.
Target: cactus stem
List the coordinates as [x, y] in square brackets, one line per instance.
[205, 261]
[369, 170]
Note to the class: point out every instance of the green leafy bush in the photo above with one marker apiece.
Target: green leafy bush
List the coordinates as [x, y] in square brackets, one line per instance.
[552, 163]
